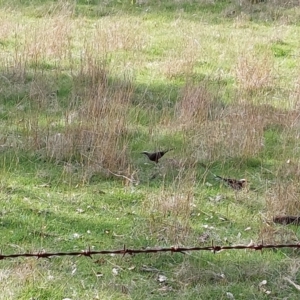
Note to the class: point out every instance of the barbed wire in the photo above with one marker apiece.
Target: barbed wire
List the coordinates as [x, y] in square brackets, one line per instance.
[173, 249]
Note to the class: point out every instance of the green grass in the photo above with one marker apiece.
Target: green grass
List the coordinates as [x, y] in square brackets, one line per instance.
[85, 87]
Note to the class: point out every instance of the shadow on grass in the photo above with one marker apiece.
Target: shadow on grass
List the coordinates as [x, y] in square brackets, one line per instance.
[214, 12]
[97, 8]
[150, 105]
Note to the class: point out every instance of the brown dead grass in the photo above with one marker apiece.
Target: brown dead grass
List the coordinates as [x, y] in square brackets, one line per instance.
[12, 280]
[197, 104]
[8, 26]
[274, 234]
[43, 94]
[92, 131]
[97, 134]
[49, 40]
[239, 132]
[181, 63]
[170, 210]
[119, 35]
[254, 72]
[283, 198]
[188, 275]
[294, 97]
[218, 131]
[280, 11]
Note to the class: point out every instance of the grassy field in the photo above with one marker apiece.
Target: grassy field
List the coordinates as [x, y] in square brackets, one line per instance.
[86, 86]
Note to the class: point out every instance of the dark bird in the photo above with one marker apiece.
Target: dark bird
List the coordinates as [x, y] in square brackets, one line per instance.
[155, 156]
[236, 184]
[285, 220]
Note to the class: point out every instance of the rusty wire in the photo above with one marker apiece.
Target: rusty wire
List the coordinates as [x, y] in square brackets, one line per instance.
[173, 249]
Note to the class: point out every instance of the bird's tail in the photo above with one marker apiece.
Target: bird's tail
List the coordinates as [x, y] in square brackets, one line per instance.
[218, 177]
[168, 150]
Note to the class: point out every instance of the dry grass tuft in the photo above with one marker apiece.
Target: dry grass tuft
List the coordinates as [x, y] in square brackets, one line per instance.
[218, 131]
[119, 35]
[188, 275]
[171, 204]
[294, 99]
[181, 63]
[50, 40]
[7, 27]
[293, 267]
[254, 72]
[272, 234]
[170, 210]
[12, 280]
[43, 95]
[93, 131]
[95, 142]
[197, 105]
[283, 198]
[238, 133]
[289, 170]
[237, 130]
[242, 20]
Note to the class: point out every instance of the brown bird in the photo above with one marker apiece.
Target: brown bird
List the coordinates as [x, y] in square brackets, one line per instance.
[236, 184]
[155, 156]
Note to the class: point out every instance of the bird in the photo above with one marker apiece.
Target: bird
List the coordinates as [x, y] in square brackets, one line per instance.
[236, 184]
[155, 156]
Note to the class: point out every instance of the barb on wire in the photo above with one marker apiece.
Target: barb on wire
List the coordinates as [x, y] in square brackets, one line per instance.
[124, 251]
